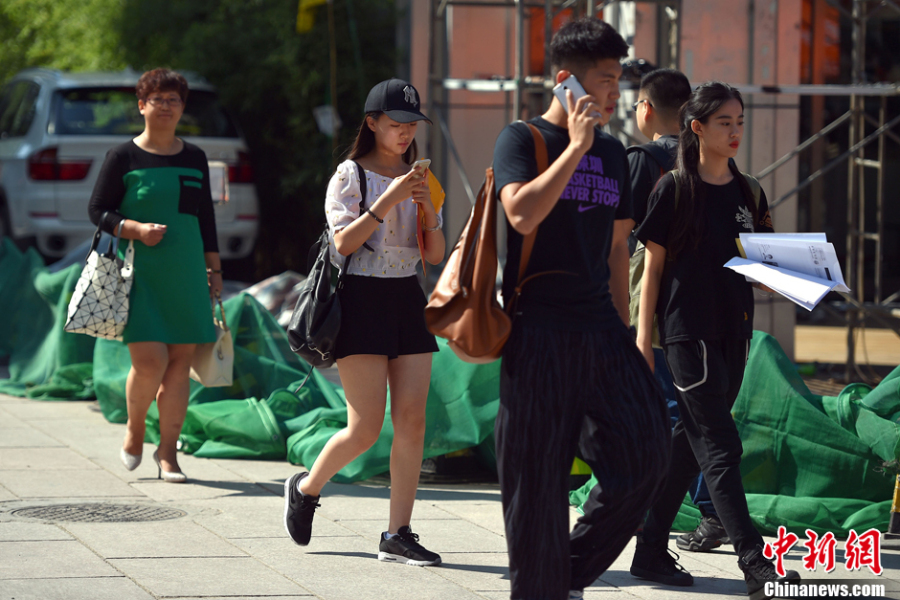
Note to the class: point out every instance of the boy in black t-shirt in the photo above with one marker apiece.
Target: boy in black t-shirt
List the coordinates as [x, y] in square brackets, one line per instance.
[571, 377]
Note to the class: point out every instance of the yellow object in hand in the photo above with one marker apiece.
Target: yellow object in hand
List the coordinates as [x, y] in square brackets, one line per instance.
[437, 192]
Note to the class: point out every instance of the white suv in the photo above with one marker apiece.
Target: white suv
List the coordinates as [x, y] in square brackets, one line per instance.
[55, 130]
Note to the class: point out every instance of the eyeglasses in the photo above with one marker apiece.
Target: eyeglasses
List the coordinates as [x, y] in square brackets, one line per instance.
[635, 105]
[173, 102]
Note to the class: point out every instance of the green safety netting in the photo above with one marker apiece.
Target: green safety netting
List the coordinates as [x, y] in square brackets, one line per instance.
[809, 461]
[250, 420]
[263, 361]
[44, 361]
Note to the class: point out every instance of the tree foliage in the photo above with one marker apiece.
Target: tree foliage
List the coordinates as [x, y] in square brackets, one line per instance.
[269, 77]
[62, 34]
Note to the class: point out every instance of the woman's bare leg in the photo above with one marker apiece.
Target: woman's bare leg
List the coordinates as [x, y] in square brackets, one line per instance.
[409, 377]
[148, 365]
[364, 378]
[172, 402]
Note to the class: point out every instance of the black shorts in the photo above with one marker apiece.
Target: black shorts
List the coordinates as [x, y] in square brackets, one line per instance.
[383, 316]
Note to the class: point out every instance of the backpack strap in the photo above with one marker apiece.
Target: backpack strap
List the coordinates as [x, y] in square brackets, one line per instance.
[361, 175]
[540, 156]
[755, 188]
[660, 156]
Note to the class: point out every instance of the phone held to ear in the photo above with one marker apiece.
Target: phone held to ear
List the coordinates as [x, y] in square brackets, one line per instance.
[421, 164]
[570, 83]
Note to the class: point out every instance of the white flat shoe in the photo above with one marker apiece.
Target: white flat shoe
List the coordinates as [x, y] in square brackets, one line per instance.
[131, 461]
[168, 476]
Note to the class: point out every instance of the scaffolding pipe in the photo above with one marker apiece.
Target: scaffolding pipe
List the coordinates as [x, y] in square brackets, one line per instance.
[879, 204]
[837, 161]
[854, 186]
[812, 140]
[520, 57]
[448, 139]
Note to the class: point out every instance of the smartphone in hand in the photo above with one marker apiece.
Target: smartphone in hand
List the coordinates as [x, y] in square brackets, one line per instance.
[570, 83]
[421, 164]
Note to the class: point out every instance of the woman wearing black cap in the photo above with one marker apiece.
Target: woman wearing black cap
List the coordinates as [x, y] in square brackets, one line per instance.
[383, 339]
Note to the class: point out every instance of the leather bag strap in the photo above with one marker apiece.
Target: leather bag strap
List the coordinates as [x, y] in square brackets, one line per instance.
[540, 156]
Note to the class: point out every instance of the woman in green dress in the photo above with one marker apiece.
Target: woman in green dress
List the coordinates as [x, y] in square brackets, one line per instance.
[157, 187]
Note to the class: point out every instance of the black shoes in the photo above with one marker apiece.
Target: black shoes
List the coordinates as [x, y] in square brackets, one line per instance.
[758, 570]
[659, 565]
[404, 548]
[708, 535]
[298, 510]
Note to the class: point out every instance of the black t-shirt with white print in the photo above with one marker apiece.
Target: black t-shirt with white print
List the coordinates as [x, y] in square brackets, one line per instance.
[575, 237]
[699, 298]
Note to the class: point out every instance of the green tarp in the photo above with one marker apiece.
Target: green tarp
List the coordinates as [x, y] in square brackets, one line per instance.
[809, 461]
[45, 362]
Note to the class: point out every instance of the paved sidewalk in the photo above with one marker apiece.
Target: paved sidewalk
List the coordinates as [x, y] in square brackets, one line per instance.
[227, 538]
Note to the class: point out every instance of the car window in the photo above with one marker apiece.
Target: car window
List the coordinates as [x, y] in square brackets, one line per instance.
[114, 111]
[17, 108]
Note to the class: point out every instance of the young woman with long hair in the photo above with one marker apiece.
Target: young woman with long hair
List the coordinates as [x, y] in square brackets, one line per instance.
[383, 341]
[705, 316]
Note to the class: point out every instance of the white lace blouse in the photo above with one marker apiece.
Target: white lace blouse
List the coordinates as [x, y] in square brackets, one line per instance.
[392, 251]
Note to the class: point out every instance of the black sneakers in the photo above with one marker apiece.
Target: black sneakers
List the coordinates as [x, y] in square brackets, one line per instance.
[708, 535]
[659, 565]
[405, 548]
[298, 510]
[758, 570]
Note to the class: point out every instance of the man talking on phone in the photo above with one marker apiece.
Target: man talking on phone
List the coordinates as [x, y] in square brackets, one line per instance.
[571, 377]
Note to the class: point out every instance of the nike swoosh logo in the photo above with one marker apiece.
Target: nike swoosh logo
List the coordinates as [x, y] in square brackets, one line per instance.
[583, 208]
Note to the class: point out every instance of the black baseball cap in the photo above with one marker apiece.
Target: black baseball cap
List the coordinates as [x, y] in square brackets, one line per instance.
[397, 99]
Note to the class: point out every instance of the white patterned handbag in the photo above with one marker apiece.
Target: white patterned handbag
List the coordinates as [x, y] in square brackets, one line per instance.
[99, 305]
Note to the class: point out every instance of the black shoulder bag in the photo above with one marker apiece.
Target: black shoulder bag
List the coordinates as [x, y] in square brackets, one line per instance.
[316, 320]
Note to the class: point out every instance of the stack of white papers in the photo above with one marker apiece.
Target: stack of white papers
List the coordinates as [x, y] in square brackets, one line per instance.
[802, 267]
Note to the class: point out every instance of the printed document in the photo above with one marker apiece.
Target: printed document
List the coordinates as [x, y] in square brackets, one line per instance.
[802, 267]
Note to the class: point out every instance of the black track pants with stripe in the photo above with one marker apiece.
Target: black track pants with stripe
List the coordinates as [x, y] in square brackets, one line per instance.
[707, 376]
[562, 390]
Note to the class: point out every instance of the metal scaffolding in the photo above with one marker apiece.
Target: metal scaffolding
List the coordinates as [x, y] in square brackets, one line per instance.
[523, 86]
[859, 230]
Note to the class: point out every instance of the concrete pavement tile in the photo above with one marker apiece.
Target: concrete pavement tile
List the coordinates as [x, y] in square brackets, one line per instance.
[259, 519]
[598, 592]
[92, 439]
[9, 421]
[261, 471]
[357, 502]
[26, 437]
[6, 495]
[78, 588]
[42, 459]
[488, 515]
[301, 595]
[481, 571]
[197, 487]
[189, 577]
[12, 531]
[65, 484]
[32, 410]
[38, 560]
[348, 569]
[157, 539]
[437, 535]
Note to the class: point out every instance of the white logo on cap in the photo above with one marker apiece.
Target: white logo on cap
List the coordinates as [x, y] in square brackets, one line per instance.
[409, 94]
